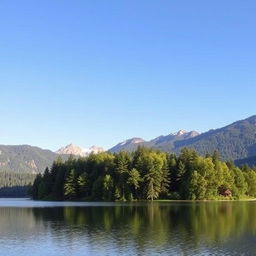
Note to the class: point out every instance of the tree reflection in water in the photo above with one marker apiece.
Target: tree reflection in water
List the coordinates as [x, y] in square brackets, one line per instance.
[185, 227]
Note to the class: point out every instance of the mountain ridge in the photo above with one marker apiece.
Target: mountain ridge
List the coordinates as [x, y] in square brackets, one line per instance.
[236, 141]
[72, 149]
[133, 143]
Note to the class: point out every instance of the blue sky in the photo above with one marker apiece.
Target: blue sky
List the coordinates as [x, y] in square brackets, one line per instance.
[98, 72]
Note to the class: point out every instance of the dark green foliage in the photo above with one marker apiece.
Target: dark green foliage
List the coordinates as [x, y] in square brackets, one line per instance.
[82, 182]
[108, 188]
[251, 161]
[122, 164]
[16, 179]
[71, 185]
[145, 174]
[15, 184]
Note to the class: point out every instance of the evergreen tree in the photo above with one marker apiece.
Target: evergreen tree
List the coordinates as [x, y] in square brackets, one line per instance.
[122, 164]
[134, 180]
[107, 188]
[154, 176]
[197, 187]
[143, 174]
[71, 186]
[82, 184]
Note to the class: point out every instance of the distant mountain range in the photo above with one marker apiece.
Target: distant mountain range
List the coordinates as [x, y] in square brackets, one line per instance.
[236, 142]
[29, 159]
[165, 143]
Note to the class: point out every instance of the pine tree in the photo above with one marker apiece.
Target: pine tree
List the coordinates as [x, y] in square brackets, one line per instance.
[134, 180]
[107, 188]
[122, 164]
[82, 184]
[71, 186]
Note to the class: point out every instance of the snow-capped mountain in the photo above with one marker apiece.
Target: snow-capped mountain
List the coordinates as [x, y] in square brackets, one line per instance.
[72, 149]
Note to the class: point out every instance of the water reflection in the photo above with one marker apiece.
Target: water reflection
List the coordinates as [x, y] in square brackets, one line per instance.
[178, 228]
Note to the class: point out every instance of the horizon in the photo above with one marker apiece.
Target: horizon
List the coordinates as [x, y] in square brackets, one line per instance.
[106, 149]
[98, 73]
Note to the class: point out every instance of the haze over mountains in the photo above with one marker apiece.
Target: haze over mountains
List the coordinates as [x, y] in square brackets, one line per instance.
[236, 141]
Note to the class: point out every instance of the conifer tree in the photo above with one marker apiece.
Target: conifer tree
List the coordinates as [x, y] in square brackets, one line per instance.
[71, 186]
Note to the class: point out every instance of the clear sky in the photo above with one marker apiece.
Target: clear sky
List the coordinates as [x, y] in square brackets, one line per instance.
[99, 72]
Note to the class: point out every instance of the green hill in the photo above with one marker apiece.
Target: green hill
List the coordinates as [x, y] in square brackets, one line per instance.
[25, 159]
[235, 141]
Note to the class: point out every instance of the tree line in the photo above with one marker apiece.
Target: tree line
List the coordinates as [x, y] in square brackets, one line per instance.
[145, 174]
[15, 184]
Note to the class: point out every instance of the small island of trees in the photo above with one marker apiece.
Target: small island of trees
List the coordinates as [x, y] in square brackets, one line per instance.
[145, 174]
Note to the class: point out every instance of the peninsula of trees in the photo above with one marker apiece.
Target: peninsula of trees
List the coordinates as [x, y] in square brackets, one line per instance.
[145, 174]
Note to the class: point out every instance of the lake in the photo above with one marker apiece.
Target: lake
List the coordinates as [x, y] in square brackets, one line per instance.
[161, 228]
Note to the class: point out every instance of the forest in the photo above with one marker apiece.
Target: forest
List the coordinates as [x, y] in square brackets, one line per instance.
[145, 174]
[15, 184]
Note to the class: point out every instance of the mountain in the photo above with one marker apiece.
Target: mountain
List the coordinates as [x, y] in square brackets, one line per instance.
[127, 145]
[72, 149]
[251, 161]
[168, 142]
[235, 141]
[25, 159]
[161, 142]
[29, 159]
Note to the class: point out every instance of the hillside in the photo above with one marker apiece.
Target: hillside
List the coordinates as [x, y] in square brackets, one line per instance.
[128, 145]
[25, 159]
[29, 159]
[167, 143]
[251, 161]
[161, 142]
[235, 141]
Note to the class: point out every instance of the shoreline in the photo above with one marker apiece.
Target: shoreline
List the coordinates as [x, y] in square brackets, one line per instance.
[148, 201]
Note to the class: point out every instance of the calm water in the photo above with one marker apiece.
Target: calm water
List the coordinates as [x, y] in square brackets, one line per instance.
[62, 228]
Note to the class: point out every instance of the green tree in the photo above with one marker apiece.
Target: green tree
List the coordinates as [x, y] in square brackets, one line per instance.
[197, 186]
[152, 188]
[122, 163]
[97, 189]
[82, 184]
[250, 177]
[107, 188]
[35, 186]
[134, 180]
[143, 174]
[240, 185]
[155, 163]
[71, 186]
[165, 183]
